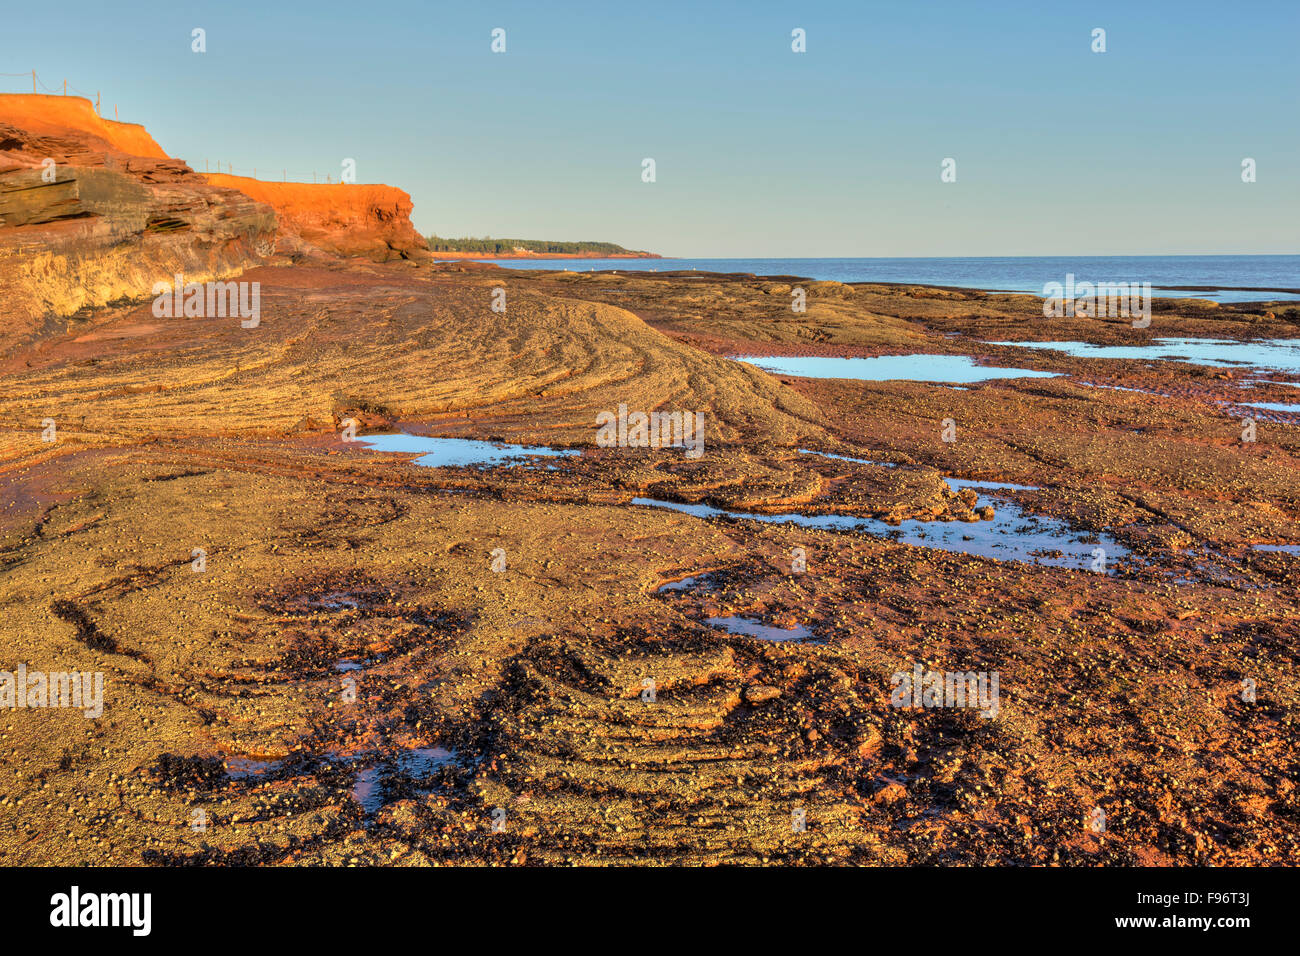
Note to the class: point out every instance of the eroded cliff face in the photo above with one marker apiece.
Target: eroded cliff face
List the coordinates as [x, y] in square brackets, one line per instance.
[349, 219]
[55, 116]
[94, 212]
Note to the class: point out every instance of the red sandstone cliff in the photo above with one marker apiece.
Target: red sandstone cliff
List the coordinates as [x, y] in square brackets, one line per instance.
[93, 212]
[345, 218]
[56, 116]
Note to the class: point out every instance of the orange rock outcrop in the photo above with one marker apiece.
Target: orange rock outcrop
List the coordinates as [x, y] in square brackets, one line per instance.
[350, 219]
[46, 115]
[94, 212]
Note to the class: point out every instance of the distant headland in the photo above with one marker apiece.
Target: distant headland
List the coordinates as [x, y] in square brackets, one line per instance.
[486, 248]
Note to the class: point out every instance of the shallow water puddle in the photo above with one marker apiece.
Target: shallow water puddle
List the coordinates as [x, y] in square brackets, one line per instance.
[1280, 354]
[414, 764]
[250, 768]
[1268, 406]
[338, 601]
[687, 584]
[860, 461]
[943, 369]
[1284, 548]
[1272, 406]
[955, 483]
[422, 761]
[764, 632]
[459, 452]
[307, 603]
[368, 790]
[1012, 535]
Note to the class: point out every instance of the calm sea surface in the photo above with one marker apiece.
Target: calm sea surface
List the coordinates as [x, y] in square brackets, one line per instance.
[1225, 274]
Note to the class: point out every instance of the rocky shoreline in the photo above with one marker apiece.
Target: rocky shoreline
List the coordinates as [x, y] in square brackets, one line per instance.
[315, 651]
[1118, 691]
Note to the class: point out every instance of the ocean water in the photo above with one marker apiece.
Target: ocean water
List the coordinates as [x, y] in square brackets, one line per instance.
[1226, 276]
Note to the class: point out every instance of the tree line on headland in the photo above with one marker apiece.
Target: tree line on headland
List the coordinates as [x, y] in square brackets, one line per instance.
[538, 246]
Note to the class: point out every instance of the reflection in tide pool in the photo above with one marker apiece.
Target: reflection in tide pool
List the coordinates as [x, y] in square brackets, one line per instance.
[1012, 535]
[860, 461]
[368, 790]
[414, 764]
[955, 483]
[1280, 354]
[883, 368]
[457, 452]
[250, 768]
[1284, 548]
[764, 632]
[688, 584]
[1273, 406]
[422, 761]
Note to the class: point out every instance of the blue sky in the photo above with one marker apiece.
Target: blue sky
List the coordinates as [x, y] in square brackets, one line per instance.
[759, 151]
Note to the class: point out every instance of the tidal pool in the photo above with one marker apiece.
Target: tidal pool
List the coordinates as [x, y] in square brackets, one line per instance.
[368, 789]
[250, 768]
[1012, 535]
[1272, 406]
[944, 369]
[459, 452]
[688, 584]
[422, 761]
[415, 763]
[1280, 354]
[1284, 548]
[955, 483]
[750, 627]
[860, 461]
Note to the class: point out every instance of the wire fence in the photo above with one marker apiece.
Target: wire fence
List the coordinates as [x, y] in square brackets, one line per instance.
[38, 85]
[209, 166]
[265, 174]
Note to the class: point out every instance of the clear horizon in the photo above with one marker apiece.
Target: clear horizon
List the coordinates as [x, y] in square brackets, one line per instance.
[760, 152]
